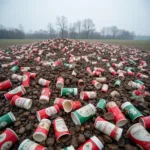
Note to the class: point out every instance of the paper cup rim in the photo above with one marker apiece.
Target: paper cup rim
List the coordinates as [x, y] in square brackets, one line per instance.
[75, 118]
[133, 126]
[121, 122]
[66, 139]
[11, 115]
[97, 142]
[63, 104]
[38, 116]
[42, 135]
[98, 85]
[10, 82]
[29, 104]
[13, 132]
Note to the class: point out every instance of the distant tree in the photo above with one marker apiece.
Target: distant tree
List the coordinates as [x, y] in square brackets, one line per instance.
[78, 26]
[51, 30]
[62, 24]
[114, 31]
[72, 31]
[88, 26]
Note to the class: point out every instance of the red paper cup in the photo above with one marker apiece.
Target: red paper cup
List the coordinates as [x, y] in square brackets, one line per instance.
[112, 71]
[96, 84]
[96, 73]
[88, 69]
[108, 128]
[5, 85]
[61, 131]
[104, 88]
[26, 79]
[145, 121]
[119, 117]
[60, 83]
[21, 102]
[99, 69]
[59, 102]
[47, 112]
[69, 105]
[42, 130]
[44, 82]
[17, 91]
[86, 95]
[45, 95]
[138, 134]
[33, 75]
[92, 144]
[7, 139]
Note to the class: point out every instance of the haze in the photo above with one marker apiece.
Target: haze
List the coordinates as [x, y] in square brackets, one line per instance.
[132, 15]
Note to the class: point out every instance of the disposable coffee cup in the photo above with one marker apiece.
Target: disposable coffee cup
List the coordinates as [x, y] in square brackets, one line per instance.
[69, 105]
[42, 130]
[6, 120]
[21, 102]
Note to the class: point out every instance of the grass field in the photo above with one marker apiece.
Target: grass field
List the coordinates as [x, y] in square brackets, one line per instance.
[143, 45]
[8, 42]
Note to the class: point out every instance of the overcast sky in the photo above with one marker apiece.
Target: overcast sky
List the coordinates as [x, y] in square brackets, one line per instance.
[132, 15]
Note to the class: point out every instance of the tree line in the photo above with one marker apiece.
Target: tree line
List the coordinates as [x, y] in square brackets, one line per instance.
[81, 29]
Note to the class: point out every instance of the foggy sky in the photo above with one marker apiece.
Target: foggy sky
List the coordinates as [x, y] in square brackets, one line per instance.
[132, 15]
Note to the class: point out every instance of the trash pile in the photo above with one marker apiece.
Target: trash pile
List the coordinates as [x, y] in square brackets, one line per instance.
[64, 94]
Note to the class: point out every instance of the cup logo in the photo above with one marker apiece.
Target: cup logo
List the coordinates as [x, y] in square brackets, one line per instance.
[3, 124]
[51, 111]
[87, 146]
[86, 111]
[6, 145]
[60, 126]
[132, 111]
[2, 137]
[140, 134]
[25, 77]
[44, 125]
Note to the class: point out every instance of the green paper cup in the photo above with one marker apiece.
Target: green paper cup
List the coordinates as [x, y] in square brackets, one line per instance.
[6, 120]
[131, 111]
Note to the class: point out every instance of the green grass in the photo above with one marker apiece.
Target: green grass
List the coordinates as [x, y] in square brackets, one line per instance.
[143, 45]
[7, 42]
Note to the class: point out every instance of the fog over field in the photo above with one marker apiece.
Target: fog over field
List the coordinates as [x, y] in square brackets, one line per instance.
[131, 15]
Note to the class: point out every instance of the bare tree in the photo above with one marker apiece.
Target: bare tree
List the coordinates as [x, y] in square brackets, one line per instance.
[88, 26]
[114, 31]
[62, 24]
[72, 31]
[78, 25]
[51, 30]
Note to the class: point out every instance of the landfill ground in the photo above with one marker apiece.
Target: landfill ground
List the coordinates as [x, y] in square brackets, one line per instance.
[65, 50]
